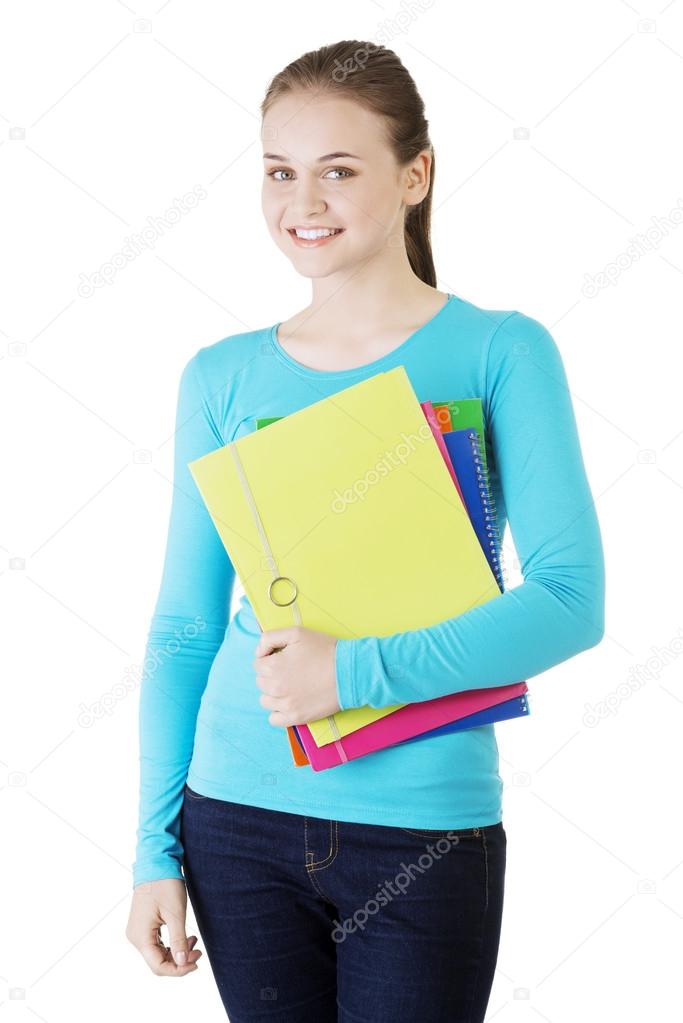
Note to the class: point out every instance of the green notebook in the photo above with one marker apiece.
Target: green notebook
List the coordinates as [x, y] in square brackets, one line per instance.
[466, 414]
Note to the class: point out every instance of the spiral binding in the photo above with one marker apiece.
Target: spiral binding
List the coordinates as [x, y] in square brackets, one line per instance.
[490, 514]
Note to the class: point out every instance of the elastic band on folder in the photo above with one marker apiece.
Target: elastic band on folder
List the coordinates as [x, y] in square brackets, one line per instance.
[336, 735]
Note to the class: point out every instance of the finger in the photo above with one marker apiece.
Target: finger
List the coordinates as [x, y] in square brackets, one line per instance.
[172, 913]
[266, 661]
[278, 703]
[272, 640]
[271, 700]
[263, 668]
[280, 720]
[159, 958]
[273, 685]
[177, 938]
[194, 953]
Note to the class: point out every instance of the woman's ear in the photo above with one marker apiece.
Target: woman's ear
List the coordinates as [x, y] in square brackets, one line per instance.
[417, 178]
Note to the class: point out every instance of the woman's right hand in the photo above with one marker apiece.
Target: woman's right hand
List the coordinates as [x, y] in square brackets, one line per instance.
[156, 903]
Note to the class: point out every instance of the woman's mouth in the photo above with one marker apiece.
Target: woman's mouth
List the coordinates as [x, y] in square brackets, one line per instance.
[311, 238]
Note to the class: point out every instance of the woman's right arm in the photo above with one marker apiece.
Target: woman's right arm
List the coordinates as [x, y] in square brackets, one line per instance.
[186, 630]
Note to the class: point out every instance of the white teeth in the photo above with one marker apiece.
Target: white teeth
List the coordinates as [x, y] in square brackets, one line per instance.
[320, 233]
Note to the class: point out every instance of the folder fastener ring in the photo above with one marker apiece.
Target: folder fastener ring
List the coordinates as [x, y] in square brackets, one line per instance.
[285, 603]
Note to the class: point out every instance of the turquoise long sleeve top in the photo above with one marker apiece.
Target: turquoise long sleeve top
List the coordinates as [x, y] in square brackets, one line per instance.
[200, 720]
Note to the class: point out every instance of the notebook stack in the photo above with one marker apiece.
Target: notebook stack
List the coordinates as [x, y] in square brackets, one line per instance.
[366, 513]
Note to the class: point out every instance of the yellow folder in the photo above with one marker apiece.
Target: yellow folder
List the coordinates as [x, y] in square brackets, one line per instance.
[342, 517]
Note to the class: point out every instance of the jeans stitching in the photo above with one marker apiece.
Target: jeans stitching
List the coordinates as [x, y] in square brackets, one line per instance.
[486, 865]
[314, 881]
[440, 832]
[475, 984]
[334, 847]
[311, 866]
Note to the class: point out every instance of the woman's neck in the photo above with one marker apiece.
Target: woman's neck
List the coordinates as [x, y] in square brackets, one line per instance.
[335, 335]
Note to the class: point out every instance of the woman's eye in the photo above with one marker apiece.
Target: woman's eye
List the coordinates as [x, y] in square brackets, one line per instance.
[342, 170]
[334, 170]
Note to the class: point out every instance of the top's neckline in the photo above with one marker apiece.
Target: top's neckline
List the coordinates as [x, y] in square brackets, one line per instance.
[376, 364]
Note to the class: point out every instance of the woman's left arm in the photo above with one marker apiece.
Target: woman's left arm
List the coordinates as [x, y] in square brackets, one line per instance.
[558, 610]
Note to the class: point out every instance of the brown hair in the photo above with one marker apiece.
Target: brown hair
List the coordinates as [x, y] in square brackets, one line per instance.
[374, 77]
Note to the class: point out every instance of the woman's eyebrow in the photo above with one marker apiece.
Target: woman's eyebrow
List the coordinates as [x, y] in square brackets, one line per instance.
[321, 159]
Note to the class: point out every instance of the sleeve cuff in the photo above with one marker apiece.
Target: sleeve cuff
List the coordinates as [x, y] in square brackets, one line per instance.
[344, 667]
[156, 870]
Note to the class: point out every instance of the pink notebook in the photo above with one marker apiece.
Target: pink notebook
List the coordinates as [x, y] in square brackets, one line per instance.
[410, 720]
[430, 416]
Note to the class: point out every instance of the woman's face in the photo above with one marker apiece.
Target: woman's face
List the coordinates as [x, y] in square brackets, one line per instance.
[359, 194]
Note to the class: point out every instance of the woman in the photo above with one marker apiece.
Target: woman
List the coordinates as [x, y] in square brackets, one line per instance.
[372, 891]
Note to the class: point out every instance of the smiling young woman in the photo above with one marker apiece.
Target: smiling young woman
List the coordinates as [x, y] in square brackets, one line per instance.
[373, 891]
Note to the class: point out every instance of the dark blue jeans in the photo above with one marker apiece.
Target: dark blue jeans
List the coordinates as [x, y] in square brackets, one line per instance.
[305, 918]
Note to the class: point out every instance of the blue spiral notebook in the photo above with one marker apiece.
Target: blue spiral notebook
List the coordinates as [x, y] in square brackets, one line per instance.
[464, 451]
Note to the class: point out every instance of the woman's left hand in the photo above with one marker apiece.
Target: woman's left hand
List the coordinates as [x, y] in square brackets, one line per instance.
[299, 681]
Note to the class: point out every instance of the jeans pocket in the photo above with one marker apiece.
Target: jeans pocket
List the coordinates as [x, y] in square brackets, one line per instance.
[437, 833]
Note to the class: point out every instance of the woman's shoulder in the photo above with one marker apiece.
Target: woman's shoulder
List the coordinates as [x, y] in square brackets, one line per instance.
[490, 337]
[488, 323]
[230, 352]
[214, 375]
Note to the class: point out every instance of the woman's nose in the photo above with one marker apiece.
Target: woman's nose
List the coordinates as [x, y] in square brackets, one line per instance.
[307, 201]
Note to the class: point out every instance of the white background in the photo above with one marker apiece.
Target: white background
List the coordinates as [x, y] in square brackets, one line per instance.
[104, 120]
